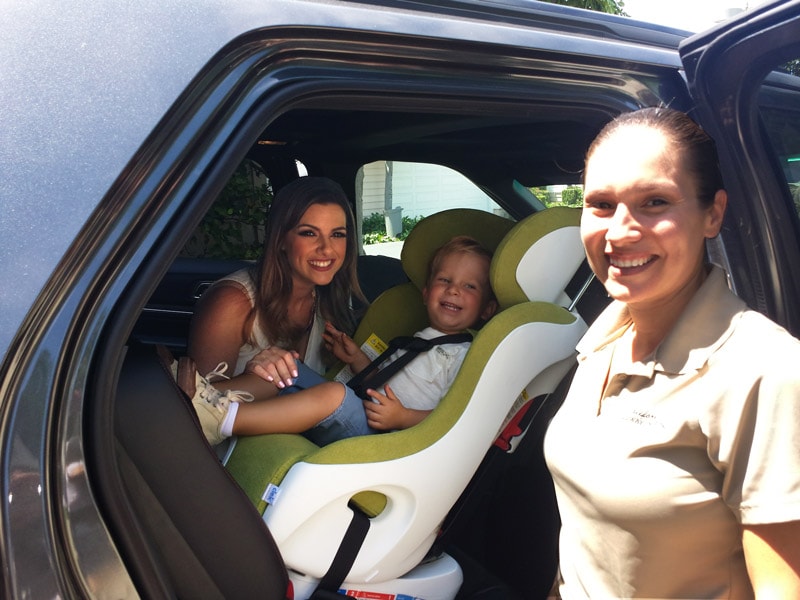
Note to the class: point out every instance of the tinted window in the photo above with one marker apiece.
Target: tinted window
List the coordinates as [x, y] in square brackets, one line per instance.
[234, 226]
[779, 105]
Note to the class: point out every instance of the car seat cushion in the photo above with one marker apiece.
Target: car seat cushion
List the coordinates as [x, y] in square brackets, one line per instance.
[389, 446]
[551, 233]
[259, 460]
[429, 234]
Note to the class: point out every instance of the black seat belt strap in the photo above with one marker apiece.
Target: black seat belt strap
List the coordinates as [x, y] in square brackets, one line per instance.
[328, 587]
[374, 377]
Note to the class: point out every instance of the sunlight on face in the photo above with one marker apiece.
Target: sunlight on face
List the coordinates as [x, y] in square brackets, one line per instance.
[642, 225]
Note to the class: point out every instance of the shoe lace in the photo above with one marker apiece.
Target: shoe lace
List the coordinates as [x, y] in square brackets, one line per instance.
[217, 398]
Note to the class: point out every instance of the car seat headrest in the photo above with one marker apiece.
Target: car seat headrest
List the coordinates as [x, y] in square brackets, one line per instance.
[434, 231]
[538, 257]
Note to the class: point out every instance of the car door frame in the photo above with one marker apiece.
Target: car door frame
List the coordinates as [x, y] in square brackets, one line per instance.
[725, 67]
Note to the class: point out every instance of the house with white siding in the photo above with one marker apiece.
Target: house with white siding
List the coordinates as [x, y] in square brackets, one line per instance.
[418, 189]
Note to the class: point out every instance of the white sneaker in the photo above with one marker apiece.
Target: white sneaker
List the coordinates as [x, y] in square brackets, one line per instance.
[210, 404]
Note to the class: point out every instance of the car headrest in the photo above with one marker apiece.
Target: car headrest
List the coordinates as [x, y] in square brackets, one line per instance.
[434, 231]
[538, 257]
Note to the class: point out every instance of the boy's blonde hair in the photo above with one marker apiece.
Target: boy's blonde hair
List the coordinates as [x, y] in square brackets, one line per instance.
[459, 244]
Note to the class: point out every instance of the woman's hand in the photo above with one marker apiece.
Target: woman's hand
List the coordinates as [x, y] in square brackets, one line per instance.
[344, 348]
[385, 412]
[276, 365]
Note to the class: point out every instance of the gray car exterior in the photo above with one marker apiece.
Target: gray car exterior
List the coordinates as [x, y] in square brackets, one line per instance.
[112, 115]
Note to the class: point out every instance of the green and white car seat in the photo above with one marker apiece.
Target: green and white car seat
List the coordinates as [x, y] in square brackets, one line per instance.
[407, 481]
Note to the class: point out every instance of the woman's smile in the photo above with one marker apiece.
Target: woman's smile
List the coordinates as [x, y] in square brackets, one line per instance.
[628, 263]
[317, 246]
[642, 224]
[321, 264]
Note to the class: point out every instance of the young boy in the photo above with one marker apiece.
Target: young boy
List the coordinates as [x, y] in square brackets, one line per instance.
[457, 297]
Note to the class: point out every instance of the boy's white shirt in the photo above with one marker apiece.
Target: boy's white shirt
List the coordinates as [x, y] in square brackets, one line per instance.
[422, 383]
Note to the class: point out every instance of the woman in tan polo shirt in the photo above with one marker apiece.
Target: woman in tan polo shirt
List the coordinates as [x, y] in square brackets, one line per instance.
[676, 454]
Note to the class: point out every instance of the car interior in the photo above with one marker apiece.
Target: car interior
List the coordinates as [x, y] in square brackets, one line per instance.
[501, 153]
[492, 518]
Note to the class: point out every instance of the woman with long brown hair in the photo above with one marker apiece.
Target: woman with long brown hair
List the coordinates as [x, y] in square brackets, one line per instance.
[277, 309]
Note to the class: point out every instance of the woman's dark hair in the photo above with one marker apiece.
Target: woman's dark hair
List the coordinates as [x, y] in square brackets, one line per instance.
[699, 150]
[272, 274]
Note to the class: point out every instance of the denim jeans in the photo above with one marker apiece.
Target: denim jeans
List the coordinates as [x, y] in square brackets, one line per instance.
[348, 420]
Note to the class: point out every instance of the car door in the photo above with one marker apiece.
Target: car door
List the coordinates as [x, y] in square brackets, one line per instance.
[744, 77]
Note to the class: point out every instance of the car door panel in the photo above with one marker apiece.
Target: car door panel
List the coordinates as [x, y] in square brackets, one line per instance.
[166, 317]
[726, 69]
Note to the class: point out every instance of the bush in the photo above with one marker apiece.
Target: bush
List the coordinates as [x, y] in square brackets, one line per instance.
[374, 228]
[572, 196]
[375, 223]
[408, 225]
[542, 195]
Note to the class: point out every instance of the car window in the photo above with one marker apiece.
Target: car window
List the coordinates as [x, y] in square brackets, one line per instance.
[779, 105]
[234, 226]
[392, 196]
[559, 195]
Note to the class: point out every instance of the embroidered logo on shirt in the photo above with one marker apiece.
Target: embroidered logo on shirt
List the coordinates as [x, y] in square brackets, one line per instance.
[640, 417]
[443, 352]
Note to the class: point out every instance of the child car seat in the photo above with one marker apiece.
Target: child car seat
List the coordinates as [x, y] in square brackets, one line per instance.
[407, 481]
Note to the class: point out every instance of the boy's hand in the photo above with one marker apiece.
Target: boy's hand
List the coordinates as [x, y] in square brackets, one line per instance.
[385, 412]
[344, 348]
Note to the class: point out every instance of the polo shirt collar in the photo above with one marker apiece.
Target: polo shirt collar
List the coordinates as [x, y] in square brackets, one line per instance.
[705, 324]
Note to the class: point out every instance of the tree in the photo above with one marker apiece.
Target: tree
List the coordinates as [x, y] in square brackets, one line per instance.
[612, 7]
[234, 227]
[792, 67]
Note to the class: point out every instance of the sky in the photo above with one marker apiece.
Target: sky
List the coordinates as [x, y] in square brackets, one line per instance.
[692, 15]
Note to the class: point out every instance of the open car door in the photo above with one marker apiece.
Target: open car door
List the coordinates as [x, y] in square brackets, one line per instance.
[744, 76]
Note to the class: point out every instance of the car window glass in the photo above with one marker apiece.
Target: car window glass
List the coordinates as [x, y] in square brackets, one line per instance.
[392, 196]
[559, 195]
[233, 228]
[779, 105]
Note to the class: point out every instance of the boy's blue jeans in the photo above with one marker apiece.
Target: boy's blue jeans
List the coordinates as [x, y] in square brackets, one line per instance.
[348, 420]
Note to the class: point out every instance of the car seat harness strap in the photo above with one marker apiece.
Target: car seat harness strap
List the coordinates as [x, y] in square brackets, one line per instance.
[374, 377]
[328, 587]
